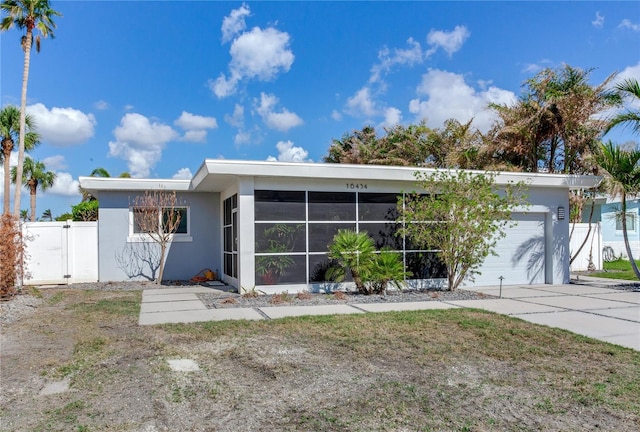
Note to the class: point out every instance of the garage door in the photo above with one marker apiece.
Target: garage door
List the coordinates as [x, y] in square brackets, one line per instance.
[521, 254]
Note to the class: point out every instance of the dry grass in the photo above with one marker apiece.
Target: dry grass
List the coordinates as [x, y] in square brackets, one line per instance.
[426, 370]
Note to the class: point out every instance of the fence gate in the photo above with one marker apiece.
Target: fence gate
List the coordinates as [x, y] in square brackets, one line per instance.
[61, 252]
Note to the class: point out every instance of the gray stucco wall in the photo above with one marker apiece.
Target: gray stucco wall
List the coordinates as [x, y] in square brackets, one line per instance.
[121, 259]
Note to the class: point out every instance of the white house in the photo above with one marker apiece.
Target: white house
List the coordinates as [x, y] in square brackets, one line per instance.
[241, 216]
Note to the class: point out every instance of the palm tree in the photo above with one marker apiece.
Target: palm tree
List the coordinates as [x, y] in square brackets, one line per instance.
[46, 216]
[554, 124]
[9, 129]
[622, 178]
[26, 15]
[99, 172]
[629, 88]
[35, 175]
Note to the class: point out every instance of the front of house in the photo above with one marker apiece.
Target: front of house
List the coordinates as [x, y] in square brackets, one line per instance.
[243, 219]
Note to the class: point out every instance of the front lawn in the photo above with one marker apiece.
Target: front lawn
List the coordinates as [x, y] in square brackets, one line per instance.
[440, 370]
[618, 269]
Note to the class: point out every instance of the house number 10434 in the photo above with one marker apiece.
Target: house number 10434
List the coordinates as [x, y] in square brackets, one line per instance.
[356, 186]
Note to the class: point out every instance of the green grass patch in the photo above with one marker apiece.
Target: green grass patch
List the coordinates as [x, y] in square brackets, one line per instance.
[618, 269]
[117, 306]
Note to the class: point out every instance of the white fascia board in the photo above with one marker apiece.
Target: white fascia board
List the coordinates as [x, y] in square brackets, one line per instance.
[96, 184]
[223, 167]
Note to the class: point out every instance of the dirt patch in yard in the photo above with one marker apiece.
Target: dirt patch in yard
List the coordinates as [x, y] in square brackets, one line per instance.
[427, 370]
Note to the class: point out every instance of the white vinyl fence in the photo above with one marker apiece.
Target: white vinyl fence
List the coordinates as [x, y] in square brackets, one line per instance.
[61, 252]
[592, 247]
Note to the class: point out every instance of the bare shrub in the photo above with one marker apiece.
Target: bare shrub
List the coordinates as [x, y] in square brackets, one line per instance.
[228, 300]
[12, 250]
[283, 297]
[158, 215]
[339, 295]
[305, 295]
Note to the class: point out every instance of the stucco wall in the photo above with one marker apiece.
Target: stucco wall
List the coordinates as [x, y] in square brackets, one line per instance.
[614, 239]
[121, 259]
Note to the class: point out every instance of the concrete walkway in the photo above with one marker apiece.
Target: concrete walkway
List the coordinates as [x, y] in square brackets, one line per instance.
[588, 308]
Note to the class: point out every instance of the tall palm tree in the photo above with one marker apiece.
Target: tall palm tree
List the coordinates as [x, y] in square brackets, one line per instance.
[9, 129]
[628, 88]
[35, 175]
[27, 15]
[622, 178]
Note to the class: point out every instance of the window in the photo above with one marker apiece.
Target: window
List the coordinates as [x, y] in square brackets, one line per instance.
[146, 220]
[631, 222]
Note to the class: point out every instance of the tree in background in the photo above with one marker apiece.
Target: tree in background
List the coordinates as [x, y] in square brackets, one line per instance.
[9, 129]
[27, 15]
[99, 172]
[622, 178]
[35, 176]
[46, 216]
[158, 215]
[461, 215]
[554, 126]
[628, 89]
[454, 145]
[85, 211]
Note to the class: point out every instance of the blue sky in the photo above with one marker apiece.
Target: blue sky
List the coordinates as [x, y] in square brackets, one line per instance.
[155, 87]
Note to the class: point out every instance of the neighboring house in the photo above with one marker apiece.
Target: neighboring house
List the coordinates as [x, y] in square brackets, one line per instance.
[607, 212]
[266, 225]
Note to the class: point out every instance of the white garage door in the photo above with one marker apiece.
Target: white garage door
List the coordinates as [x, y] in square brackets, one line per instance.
[521, 254]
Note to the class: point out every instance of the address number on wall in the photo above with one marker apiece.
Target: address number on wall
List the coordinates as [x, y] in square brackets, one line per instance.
[356, 186]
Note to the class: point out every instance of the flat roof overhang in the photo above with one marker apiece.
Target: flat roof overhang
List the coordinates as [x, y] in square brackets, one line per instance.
[216, 175]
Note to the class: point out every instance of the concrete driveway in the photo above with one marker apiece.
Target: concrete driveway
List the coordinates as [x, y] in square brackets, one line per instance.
[587, 307]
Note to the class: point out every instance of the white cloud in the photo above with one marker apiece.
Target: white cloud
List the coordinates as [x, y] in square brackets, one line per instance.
[183, 174]
[282, 121]
[140, 142]
[101, 105]
[198, 136]
[599, 21]
[55, 162]
[287, 152]
[392, 117]
[237, 118]
[195, 126]
[188, 121]
[625, 23]
[256, 54]
[451, 41]
[128, 107]
[234, 23]
[242, 137]
[630, 72]
[389, 58]
[362, 103]
[64, 185]
[336, 115]
[449, 96]
[62, 126]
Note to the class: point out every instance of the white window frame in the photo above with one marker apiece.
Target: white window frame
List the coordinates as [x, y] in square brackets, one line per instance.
[134, 237]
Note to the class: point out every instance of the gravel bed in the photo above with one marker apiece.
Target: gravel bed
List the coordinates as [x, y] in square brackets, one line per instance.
[19, 306]
[230, 300]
